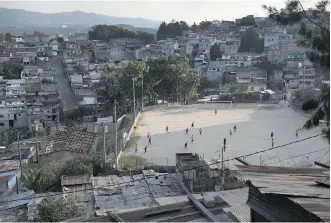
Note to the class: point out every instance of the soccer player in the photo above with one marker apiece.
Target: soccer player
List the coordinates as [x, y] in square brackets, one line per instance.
[145, 149]
[215, 111]
[230, 132]
[167, 129]
[235, 128]
[297, 133]
[200, 131]
[192, 126]
[150, 140]
[192, 139]
[136, 149]
[272, 135]
[185, 145]
[186, 131]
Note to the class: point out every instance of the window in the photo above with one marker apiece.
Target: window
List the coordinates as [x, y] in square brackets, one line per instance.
[2, 124]
[1, 116]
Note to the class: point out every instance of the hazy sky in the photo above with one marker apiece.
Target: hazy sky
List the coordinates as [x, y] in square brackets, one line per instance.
[190, 11]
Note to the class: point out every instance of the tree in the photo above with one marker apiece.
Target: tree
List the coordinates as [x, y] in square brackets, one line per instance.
[11, 70]
[33, 180]
[195, 51]
[79, 68]
[55, 209]
[264, 64]
[60, 39]
[236, 88]
[250, 42]
[205, 83]
[215, 52]
[106, 33]
[2, 37]
[247, 21]
[8, 37]
[204, 25]
[194, 27]
[316, 37]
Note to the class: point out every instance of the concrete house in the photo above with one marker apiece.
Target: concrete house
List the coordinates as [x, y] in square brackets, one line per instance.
[307, 76]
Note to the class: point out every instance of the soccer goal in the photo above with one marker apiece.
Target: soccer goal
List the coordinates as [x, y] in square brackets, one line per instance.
[230, 102]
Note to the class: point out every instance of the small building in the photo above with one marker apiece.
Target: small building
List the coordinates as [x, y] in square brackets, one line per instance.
[75, 186]
[287, 194]
[69, 144]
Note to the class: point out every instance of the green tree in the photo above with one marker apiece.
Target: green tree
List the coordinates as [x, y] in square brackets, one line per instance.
[106, 33]
[2, 37]
[33, 180]
[247, 21]
[215, 52]
[205, 25]
[195, 51]
[11, 70]
[77, 166]
[60, 39]
[235, 88]
[79, 68]
[194, 27]
[8, 37]
[146, 38]
[250, 42]
[264, 64]
[55, 209]
[189, 84]
[205, 83]
[316, 36]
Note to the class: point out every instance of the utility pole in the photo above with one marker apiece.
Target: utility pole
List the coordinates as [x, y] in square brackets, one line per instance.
[134, 98]
[37, 153]
[222, 168]
[105, 129]
[18, 148]
[115, 135]
[58, 119]
[142, 92]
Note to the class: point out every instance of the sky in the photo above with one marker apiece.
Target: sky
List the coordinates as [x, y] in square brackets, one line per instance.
[189, 11]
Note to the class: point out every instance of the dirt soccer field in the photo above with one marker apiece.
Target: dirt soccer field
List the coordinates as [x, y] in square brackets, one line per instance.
[254, 125]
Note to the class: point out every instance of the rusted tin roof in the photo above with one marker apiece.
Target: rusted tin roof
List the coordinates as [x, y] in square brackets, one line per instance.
[76, 180]
[298, 184]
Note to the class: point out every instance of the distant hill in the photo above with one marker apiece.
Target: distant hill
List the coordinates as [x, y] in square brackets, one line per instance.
[70, 29]
[21, 18]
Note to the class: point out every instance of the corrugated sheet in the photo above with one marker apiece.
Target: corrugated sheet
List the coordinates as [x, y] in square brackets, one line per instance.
[294, 183]
[235, 198]
[76, 180]
[320, 207]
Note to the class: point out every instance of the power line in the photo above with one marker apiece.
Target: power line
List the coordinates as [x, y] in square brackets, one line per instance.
[292, 157]
[193, 168]
[304, 12]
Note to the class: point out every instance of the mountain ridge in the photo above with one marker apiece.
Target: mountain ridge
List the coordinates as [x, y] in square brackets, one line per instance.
[21, 17]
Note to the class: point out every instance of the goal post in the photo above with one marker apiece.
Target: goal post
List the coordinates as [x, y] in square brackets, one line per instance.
[217, 102]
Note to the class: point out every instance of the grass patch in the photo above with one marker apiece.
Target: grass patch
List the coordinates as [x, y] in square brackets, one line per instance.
[134, 135]
[131, 162]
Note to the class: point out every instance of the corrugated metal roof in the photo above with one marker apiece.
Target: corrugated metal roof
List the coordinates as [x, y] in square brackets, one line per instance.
[76, 180]
[299, 184]
[235, 198]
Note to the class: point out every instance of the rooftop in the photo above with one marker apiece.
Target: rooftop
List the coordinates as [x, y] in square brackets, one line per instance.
[76, 180]
[114, 193]
[297, 184]
[72, 141]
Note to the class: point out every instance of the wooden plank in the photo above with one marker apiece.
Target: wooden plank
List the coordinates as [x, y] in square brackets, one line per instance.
[322, 164]
[242, 161]
[115, 217]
